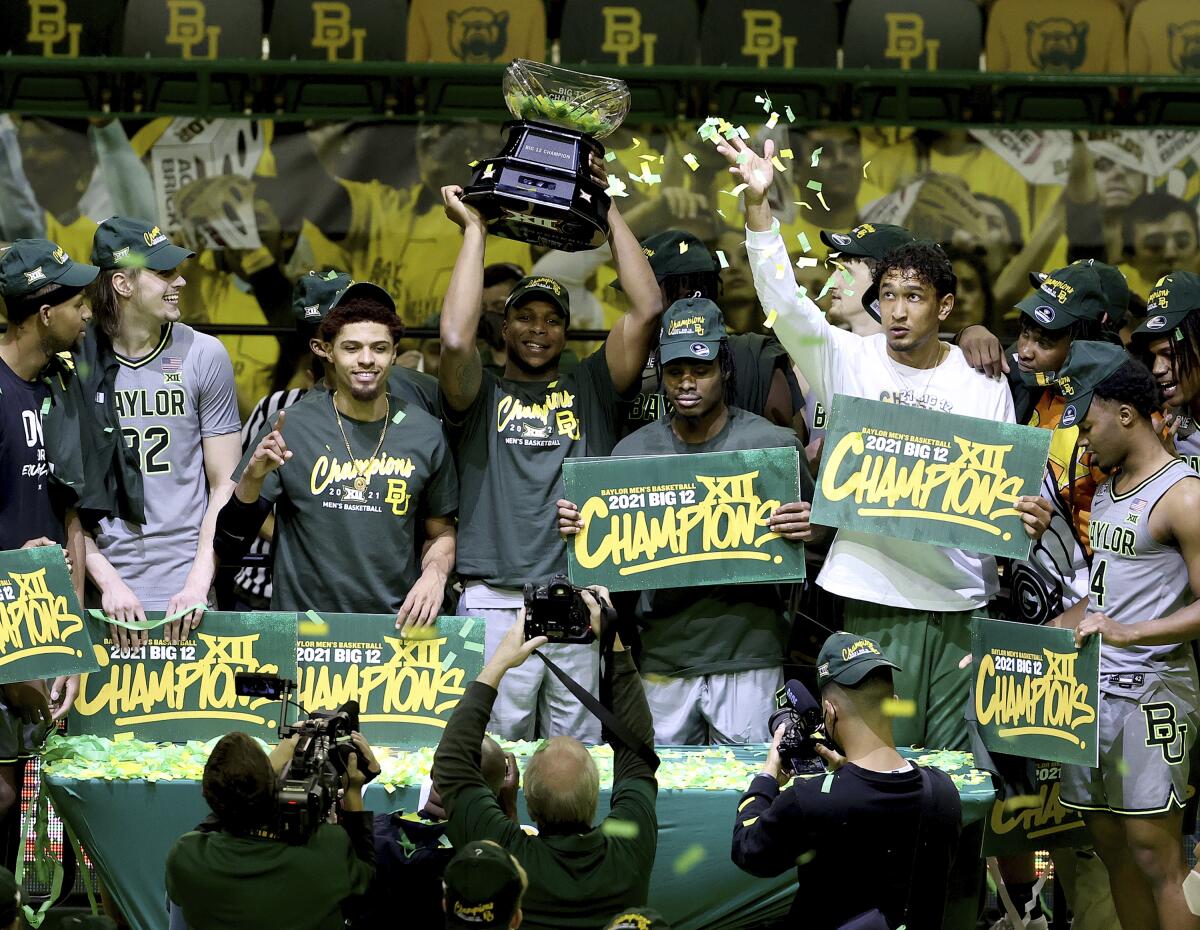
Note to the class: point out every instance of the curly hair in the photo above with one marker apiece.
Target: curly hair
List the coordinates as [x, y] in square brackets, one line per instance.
[1132, 384]
[359, 310]
[926, 261]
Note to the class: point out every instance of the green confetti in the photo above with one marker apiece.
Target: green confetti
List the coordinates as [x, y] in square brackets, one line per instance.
[804, 242]
[806, 857]
[790, 115]
[620, 829]
[816, 160]
[814, 186]
[724, 262]
[610, 156]
[473, 647]
[449, 659]
[468, 625]
[689, 859]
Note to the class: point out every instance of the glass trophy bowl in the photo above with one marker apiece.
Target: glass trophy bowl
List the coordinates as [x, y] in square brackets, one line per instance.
[539, 188]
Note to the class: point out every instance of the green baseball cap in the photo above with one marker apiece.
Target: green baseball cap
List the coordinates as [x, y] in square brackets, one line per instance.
[540, 287]
[847, 658]
[691, 328]
[1088, 363]
[316, 293]
[1113, 286]
[677, 252]
[1172, 298]
[28, 265]
[1066, 296]
[125, 242]
[482, 886]
[868, 240]
[638, 918]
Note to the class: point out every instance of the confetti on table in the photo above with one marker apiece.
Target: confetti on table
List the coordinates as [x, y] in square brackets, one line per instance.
[690, 160]
[814, 186]
[721, 259]
[790, 115]
[772, 316]
[865, 170]
[804, 244]
[806, 261]
[899, 707]
[689, 859]
[773, 121]
[816, 158]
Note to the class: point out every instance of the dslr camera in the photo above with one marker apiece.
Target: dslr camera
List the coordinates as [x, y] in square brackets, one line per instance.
[796, 707]
[557, 611]
[310, 785]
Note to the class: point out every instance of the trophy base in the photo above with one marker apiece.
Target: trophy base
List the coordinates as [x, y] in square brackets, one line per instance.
[540, 189]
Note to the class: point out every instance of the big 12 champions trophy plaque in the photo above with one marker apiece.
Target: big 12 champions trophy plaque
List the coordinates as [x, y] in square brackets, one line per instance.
[540, 188]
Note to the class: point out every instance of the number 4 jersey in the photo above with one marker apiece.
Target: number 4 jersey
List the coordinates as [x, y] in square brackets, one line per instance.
[168, 402]
[1135, 577]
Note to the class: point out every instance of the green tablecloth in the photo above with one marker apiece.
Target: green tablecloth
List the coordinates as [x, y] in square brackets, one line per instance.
[128, 826]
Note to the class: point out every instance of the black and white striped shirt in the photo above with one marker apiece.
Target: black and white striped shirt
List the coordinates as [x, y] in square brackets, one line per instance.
[257, 581]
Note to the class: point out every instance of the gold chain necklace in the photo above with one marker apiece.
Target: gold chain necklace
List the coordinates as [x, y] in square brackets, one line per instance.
[360, 480]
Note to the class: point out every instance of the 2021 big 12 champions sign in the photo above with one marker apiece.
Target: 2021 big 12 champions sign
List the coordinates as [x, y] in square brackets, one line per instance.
[928, 476]
[677, 521]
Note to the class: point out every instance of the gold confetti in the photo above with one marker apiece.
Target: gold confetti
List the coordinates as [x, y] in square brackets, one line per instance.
[648, 157]
[899, 707]
[779, 271]
[773, 120]
[689, 859]
[737, 190]
[683, 247]
[865, 170]
[636, 142]
[806, 857]
[821, 197]
[721, 214]
[769, 322]
[472, 164]
[786, 153]
[779, 166]
[489, 171]
[690, 160]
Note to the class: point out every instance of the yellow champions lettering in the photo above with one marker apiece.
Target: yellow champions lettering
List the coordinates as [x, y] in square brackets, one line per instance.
[731, 522]
[48, 25]
[187, 29]
[623, 34]
[332, 30]
[972, 490]
[1051, 704]
[329, 468]
[1044, 816]
[764, 38]
[906, 41]
[37, 622]
[411, 686]
[136, 695]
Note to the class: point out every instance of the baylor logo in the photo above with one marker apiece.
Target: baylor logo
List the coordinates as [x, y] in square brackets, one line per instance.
[906, 41]
[478, 35]
[1056, 44]
[1183, 46]
[332, 30]
[764, 38]
[623, 34]
[187, 29]
[1165, 731]
[48, 25]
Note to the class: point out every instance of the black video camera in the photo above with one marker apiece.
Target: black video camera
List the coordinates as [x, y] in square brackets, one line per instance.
[805, 726]
[557, 611]
[310, 785]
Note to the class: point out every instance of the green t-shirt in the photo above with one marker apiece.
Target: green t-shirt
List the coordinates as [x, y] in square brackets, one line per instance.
[223, 881]
[755, 360]
[340, 550]
[722, 628]
[510, 445]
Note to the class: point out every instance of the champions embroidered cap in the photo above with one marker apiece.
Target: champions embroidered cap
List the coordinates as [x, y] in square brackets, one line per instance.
[316, 293]
[28, 265]
[639, 918]
[483, 886]
[691, 328]
[867, 240]
[1173, 297]
[1066, 296]
[540, 287]
[1087, 364]
[1112, 283]
[846, 659]
[125, 242]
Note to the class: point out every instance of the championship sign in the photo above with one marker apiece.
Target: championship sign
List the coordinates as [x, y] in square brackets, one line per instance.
[174, 692]
[1036, 695]
[677, 521]
[42, 630]
[1030, 822]
[933, 477]
[406, 687]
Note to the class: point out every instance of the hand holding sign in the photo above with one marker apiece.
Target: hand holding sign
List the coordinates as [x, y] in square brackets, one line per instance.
[1035, 514]
[1113, 633]
[570, 523]
[46, 541]
[63, 692]
[118, 602]
[791, 521]
[272, 452]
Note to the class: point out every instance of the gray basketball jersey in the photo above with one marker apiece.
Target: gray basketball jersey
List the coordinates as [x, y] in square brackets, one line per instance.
[168, 401]
[1187, 443]
[1134, 577]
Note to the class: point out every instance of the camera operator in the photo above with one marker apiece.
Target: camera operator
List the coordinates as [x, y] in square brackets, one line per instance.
[579, 875]
[876, 834]
[234, 872]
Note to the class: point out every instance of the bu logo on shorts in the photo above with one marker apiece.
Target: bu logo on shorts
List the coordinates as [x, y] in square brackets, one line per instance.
[1165, 731]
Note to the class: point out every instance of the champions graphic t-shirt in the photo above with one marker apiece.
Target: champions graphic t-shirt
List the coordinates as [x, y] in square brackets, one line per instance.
[510, 445]
[861, 566]
[714, 629]
[168, 402]
[25, 510]
[339, 549]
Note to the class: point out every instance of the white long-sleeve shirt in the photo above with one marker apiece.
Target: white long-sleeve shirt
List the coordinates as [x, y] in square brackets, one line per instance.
[861, 566]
